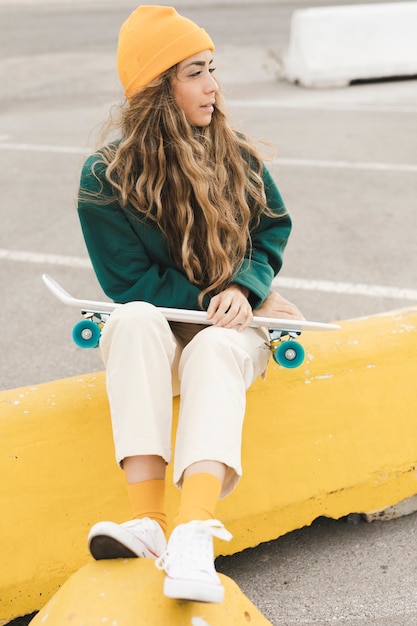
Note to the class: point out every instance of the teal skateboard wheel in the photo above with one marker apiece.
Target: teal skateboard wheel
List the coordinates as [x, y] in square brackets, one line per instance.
[86, 334]
[289, 354]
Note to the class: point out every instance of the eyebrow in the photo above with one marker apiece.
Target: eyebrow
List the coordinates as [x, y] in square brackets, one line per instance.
[198, 63]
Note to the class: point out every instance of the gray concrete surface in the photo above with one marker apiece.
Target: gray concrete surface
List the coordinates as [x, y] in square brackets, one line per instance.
[346, 165]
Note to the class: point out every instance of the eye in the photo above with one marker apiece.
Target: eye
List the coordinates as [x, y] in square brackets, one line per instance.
[212, 69]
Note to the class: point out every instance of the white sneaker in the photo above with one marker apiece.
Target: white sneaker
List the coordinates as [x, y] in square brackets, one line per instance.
[188, 562]
[136, 538]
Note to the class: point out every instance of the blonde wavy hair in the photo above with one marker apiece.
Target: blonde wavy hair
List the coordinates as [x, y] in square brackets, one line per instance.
[202, 186]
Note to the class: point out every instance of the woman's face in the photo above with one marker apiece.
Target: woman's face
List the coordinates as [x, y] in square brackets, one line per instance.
[194, 88]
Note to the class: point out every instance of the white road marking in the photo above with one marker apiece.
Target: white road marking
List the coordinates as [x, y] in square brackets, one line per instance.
[44, 258]
[327, 286]
[38, 147]
[352, 289]
[320, 163]
[349, 165]
[316, 105]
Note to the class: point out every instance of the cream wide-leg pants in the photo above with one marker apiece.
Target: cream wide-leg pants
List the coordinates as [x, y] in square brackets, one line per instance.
[149, 360]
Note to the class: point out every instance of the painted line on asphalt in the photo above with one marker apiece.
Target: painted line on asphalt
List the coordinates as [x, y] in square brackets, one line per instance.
[343, 288]
[42, 258]
[348, 165]
[38, 147]
[312, 105]
[326, 286]
[319, 163]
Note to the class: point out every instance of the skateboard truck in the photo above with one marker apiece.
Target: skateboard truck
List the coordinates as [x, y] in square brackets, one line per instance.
[86, 333]
[286, 351]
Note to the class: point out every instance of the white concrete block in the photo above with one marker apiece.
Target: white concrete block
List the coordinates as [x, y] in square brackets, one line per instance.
[331, 46]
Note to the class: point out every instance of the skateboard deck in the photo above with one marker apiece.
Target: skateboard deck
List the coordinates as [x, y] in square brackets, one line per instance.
[86, 333]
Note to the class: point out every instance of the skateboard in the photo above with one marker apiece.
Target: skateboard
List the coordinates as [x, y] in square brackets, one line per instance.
[286, 351]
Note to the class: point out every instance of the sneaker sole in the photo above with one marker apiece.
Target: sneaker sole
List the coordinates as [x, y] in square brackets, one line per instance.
[103, 547]
[108, 540]
[193, 591]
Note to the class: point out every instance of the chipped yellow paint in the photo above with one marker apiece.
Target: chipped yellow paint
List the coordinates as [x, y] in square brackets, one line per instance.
[335, 436]
[129, 593]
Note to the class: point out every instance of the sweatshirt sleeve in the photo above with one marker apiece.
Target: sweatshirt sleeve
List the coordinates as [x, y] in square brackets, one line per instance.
[264, 259]
[120, 251]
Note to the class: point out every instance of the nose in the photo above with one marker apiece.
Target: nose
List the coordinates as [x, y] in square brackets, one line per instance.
[211, 85]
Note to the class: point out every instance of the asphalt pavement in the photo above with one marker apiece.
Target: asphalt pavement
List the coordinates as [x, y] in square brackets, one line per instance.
[346, 165]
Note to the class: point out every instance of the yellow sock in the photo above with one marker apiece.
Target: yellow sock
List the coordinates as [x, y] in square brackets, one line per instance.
[199, 496]
[147, 499]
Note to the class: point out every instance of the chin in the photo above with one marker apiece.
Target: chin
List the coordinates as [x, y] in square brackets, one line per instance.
[202, 122]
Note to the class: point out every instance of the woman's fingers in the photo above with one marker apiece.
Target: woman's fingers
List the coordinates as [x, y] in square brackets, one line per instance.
[230, 309]
[276, 305]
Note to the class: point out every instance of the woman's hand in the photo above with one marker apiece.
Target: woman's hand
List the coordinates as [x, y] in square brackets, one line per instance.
[277, 306]
[230, 308]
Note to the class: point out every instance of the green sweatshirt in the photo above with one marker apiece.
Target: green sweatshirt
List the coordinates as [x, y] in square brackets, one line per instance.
[131, 257]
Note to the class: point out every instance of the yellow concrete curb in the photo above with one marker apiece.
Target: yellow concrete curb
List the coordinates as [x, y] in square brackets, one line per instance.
[337, 435]
[129, 593]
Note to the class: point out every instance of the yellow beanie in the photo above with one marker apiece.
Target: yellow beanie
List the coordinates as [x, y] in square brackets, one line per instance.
[153, 39]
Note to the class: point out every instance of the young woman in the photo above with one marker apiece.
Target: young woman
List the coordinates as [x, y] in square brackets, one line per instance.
[180, 212]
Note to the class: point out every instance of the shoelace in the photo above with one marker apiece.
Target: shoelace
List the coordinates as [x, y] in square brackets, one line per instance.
[195, 536]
